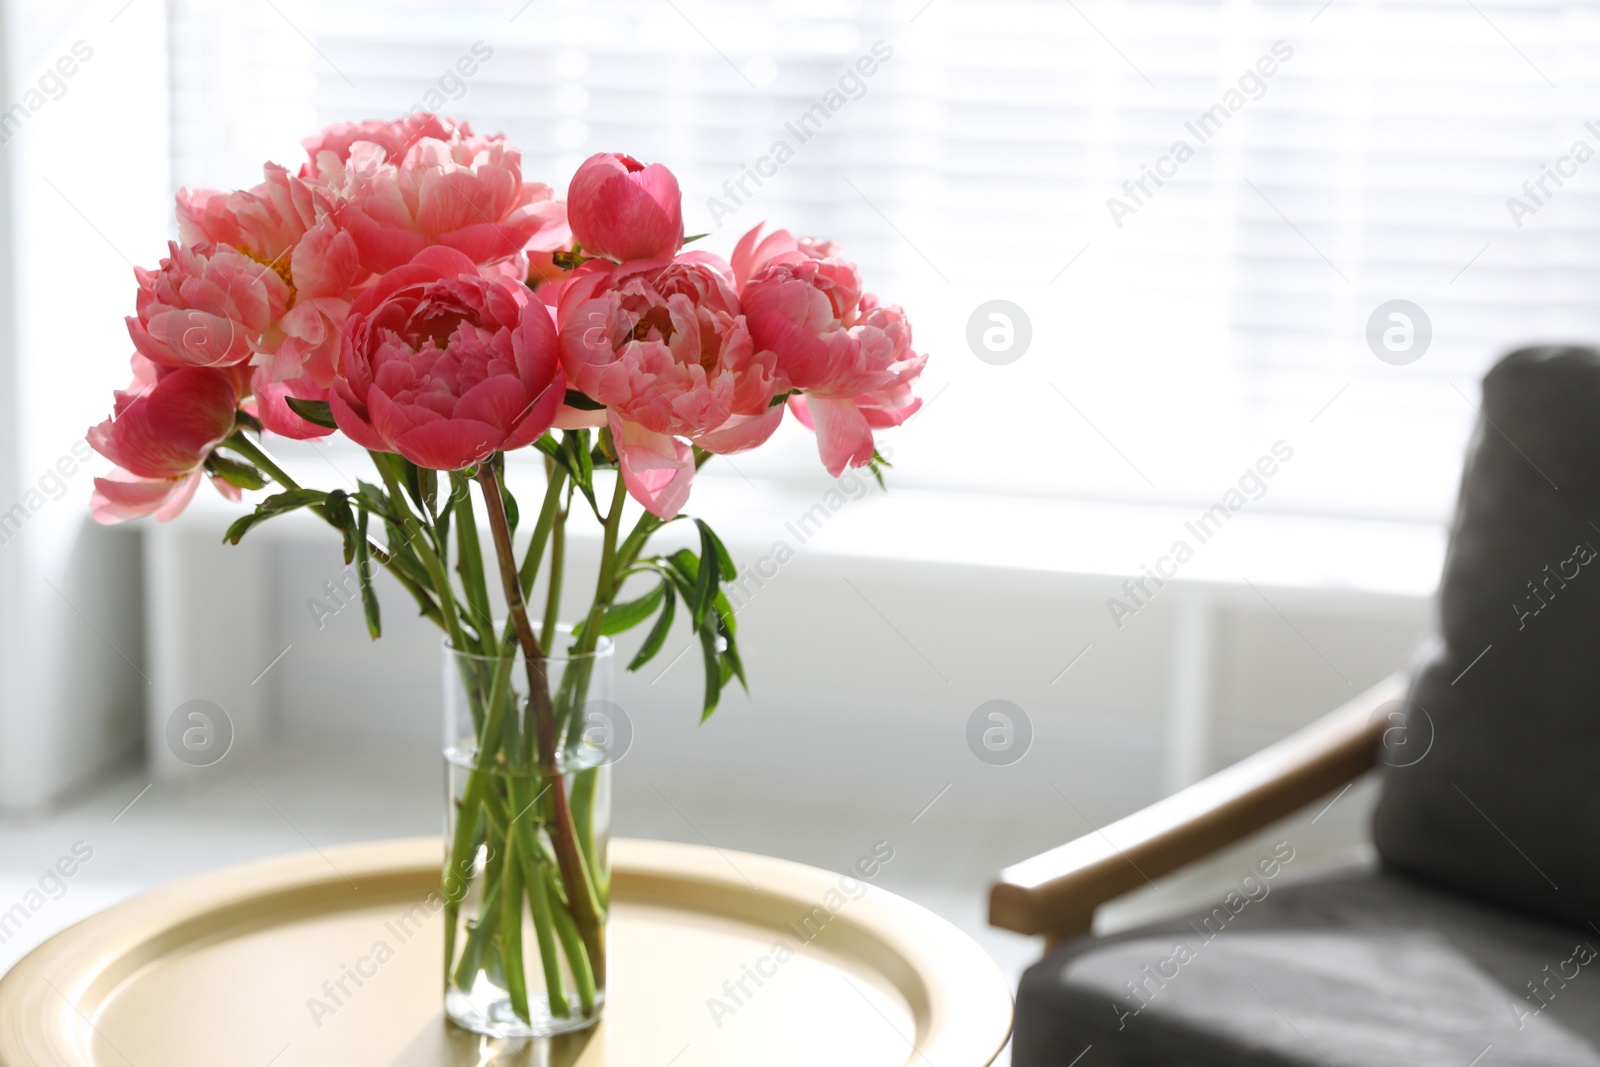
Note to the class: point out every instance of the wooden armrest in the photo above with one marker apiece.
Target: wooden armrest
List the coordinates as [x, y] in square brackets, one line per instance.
[1057, 892]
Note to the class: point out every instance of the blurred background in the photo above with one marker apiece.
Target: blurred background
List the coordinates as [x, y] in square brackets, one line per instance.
[1171, 315]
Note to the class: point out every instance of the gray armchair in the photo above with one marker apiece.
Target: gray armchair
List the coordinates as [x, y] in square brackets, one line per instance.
[1475, 938]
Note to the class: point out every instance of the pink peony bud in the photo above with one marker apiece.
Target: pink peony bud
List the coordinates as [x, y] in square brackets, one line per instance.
[620, 208]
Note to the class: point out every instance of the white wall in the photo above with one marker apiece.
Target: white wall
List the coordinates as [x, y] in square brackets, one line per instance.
[89, 196]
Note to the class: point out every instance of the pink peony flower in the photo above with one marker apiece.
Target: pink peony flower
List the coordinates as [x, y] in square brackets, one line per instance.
[463, 191]
[162, 428]
[264, 222]
[622, 209]
[284, 225]
[204, 307]
[446, 367]
[663, 344]
[329, 150]
[848, 353]
[753, 253]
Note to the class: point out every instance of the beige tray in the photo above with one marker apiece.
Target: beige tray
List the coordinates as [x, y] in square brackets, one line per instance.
[222, 969]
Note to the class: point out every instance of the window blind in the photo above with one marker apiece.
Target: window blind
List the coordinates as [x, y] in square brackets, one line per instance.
[1187, 311]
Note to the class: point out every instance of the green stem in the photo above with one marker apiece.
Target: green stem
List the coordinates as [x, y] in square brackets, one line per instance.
[511, 932]
[571, 945]
[557, 477]
[430, 561]
[469, 561]
[605, 586]
[585, 909]
[544, 928]
[558, 562]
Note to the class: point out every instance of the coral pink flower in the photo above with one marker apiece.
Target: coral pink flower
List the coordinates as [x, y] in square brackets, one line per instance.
[446, 367]
[162, 429]
[283, 224]
[663, 344]
[622, 209]
[204, 307]
[329, 150]
[753, 253]
[464, 192]
[848, 353]
[264, 222]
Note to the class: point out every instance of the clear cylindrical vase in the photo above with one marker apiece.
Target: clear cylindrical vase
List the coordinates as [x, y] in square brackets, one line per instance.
[526, 877]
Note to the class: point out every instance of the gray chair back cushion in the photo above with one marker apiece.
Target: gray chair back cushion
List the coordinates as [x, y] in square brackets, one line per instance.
[1505, 804]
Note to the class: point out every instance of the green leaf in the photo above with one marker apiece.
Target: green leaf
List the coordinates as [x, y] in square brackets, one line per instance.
[513, 513]
[695, 237]
[369, 598]
[372, 498]
[337, 512]
[549, 446]
[626, 616]
[708, 536]
[313, 411]
[235, 472]
[337, 508]
[422, 485]
[877, 464]
[577, 400]
[580, 466]
[709, 567]
[713, 668]
[658, 632]
[277, 504]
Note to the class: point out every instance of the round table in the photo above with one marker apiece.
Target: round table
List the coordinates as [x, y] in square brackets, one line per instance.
[279, 964]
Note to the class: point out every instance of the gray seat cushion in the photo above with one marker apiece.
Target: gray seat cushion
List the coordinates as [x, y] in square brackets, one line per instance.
[1361, 969]
[1505, 805]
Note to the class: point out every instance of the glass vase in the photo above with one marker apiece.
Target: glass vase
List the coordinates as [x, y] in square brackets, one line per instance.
[526, 879]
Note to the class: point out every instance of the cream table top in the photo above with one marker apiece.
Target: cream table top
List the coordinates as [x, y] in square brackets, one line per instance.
[222, 970]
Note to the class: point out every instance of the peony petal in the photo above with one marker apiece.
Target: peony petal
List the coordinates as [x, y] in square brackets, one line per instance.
[742, 432]
[352, 424]
[843, 437]
[449, 446]
[272, 408]
[658, 470]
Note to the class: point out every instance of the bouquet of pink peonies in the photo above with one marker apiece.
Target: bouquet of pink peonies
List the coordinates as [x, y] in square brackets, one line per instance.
[409, 289]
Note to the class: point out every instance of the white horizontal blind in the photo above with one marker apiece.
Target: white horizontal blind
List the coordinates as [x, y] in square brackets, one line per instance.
[1227, 311]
